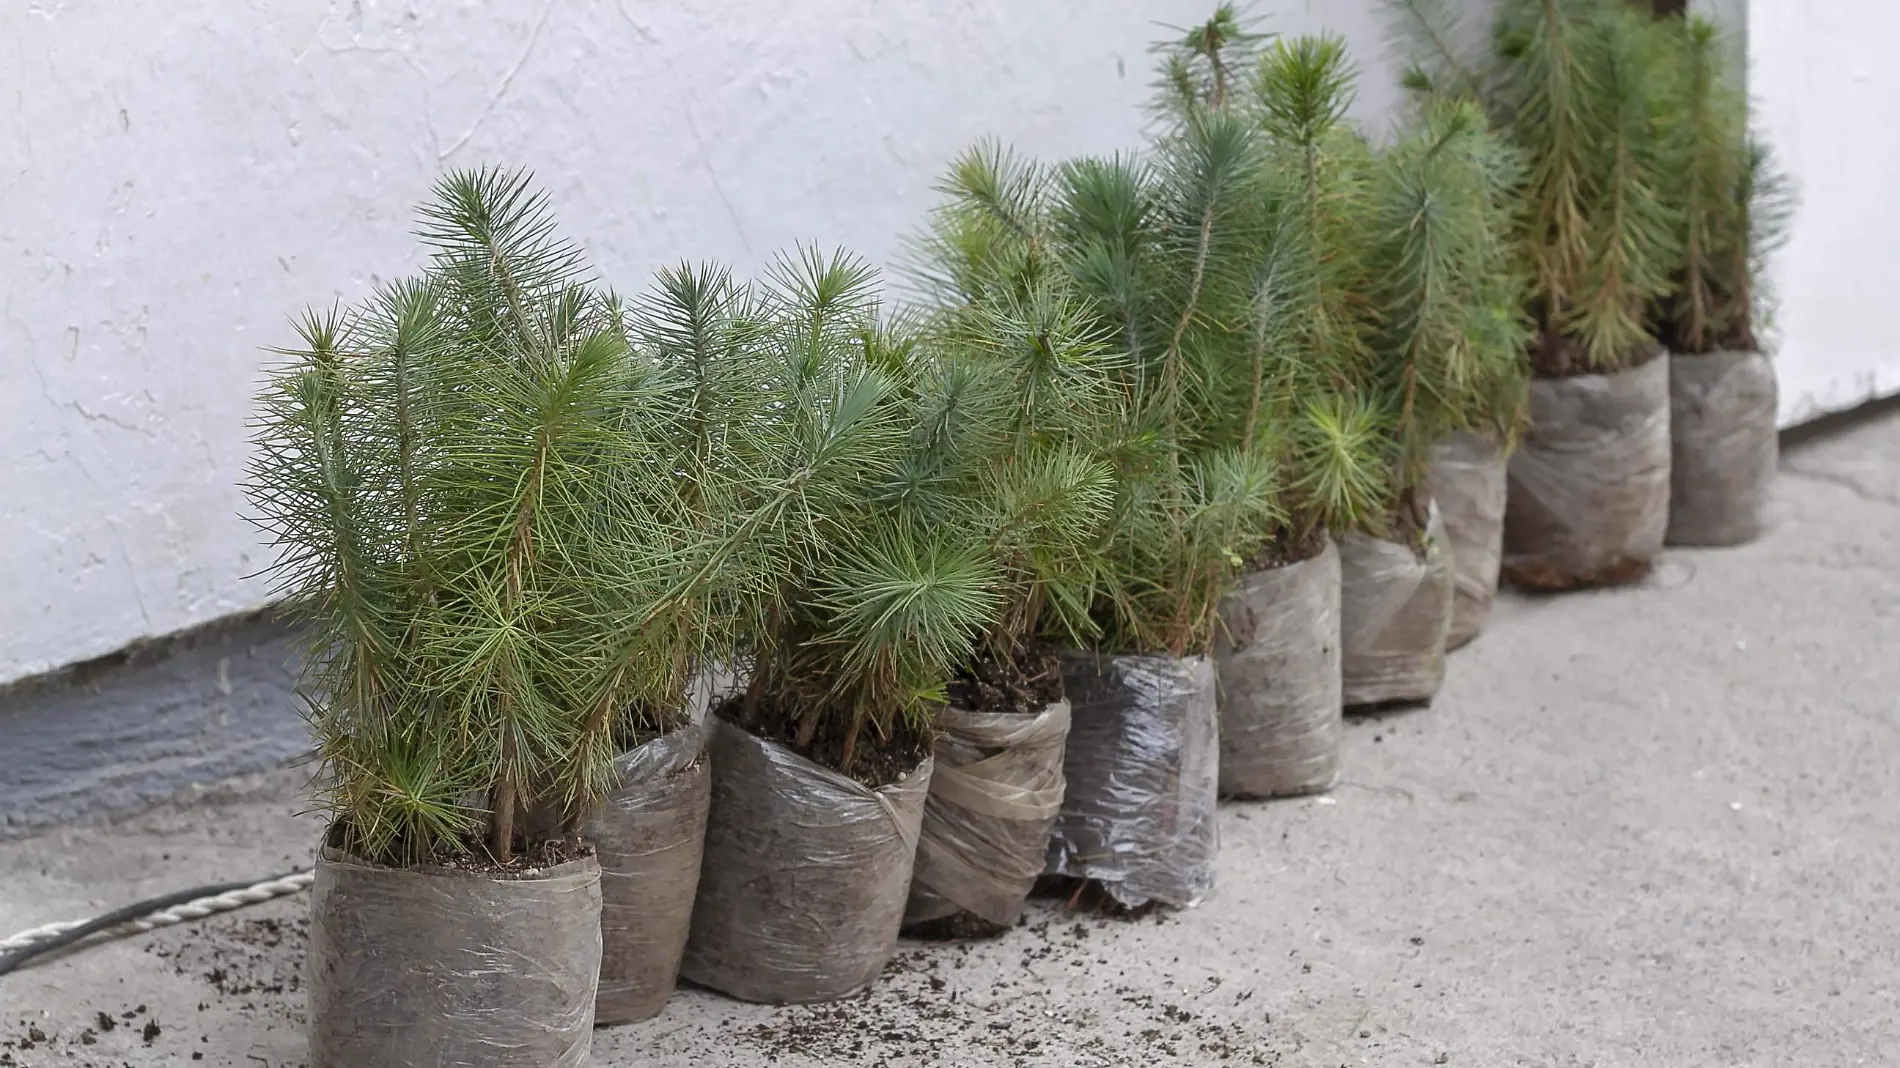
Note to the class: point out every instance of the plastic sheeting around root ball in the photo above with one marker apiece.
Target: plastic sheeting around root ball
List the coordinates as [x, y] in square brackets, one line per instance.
[994, 794]
[1589, 483]
[1724, 447]
[1277, 662]
[440, 968]
[649, 835]
[1394, 614]
[806, 874]
[1468, 485]
[1143, 766]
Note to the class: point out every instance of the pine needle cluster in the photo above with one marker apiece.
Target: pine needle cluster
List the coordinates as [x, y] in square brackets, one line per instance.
[1402, 305]
[850, 592]
[1448, 329]
[471, 484]
[1579, 88]
[1139, 275]
[1731, 205]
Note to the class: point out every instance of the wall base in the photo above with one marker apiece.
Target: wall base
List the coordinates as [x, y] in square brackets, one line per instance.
[123, 732]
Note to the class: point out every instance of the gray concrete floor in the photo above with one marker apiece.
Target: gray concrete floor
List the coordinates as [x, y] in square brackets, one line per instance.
[1655, 826]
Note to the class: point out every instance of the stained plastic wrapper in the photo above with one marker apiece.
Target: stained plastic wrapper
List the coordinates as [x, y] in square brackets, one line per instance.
[1468, 484]
[1143, 765]
[438, 968]
[1725, 447]
[1394, 614]
[806, 874]
[649, 834]
[1589, 483]
[993, 796]
[1277, 660]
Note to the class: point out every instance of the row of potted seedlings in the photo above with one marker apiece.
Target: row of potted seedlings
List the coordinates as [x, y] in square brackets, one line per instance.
[1165, 461]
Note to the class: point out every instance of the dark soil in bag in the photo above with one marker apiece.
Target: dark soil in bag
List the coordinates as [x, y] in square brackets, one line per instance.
[1394, 615]
[1588, 503]
[1468, 485]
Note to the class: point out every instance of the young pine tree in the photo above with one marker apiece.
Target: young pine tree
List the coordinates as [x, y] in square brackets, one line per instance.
[1448, 337]
[853, 606]
[1341, 451]
[1578, 94]
[1035, 396]
[460, 476]
[1578, 88]
[1731, 205]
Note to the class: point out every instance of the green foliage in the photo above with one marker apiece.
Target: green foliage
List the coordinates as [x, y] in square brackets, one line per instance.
[1630, 239]
[1167, 270]
[1041, 401]
[1449, 335]
[840, 447]
[1201, 65]
[1435, 39]
[1731, 207]
[1576, 86]
[469, 482]
[1339, 452]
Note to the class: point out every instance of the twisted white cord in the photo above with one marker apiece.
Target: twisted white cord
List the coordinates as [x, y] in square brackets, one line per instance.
[196, 909]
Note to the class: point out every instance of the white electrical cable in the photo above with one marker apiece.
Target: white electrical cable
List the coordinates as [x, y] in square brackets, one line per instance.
[195, 909]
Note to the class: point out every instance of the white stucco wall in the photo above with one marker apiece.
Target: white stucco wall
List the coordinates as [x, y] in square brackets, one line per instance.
[177, 179]
[1826, 87]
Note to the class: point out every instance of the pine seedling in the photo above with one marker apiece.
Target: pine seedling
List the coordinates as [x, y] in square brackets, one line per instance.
[1729, 203]
[460, 479]
[1179, 254]
[1339, 442]
[1631, 235]
[1440, 48]
[1014, 363]
[852, 606]
[1449, 337]
[1577, 92]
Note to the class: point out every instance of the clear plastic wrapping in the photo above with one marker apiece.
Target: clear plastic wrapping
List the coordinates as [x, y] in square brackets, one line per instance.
[995, 792]
[649, 835]
[1394, 614]
[1589, 483]
[439, 968]
[1468, 484]
[806, 874]
[1724, 447]
[1277, 662]
[1143, 766]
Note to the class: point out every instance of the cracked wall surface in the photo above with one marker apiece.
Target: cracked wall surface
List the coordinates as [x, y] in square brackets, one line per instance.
[177, 180]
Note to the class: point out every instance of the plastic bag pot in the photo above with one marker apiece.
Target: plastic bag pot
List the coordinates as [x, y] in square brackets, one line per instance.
[1277, 661]
[1468, 482]
[1589, 483]
[806, 874]
[1394, 616]
[439, 968]
[993, 796]
[1143, 765]
[649, 835]
[1724, 447]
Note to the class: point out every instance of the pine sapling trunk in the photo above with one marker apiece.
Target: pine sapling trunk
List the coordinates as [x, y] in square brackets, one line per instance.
[808, 726]
[849, 755]
[502, 801]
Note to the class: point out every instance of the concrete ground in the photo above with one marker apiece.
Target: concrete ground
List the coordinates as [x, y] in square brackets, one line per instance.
[1655, 826]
